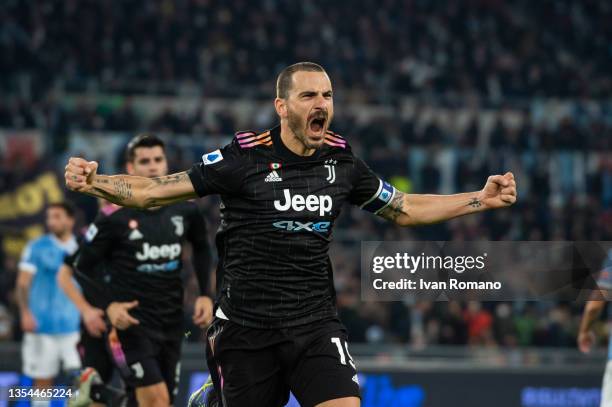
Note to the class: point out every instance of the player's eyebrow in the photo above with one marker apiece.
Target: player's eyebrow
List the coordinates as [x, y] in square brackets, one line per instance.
[307, 93]
[145, 160]
[313, 92]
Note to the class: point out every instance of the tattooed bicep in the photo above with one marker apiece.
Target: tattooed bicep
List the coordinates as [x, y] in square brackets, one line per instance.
[395, 208]
[173, 179]
[171, 189]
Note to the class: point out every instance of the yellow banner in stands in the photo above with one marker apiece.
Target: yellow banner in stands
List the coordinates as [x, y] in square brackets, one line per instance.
[22, 211]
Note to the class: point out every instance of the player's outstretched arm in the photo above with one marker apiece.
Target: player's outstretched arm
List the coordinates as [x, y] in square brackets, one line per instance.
[127, 190]
[416, 209]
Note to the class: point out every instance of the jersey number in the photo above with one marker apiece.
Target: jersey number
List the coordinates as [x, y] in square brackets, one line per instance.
[341, 350]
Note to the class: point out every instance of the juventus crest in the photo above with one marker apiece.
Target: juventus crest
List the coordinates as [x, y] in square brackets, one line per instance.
[179, 229]
[331, 170]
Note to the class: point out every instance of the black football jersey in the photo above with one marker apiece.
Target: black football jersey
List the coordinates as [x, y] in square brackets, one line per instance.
[141, 251]
[93, 284]
[277, 214]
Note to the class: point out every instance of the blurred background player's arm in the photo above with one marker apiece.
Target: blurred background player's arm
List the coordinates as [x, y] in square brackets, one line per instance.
[586, 337]
[93, 318]
[417, 209]
[128, 190]
[198, 236]
[24, 281]
[594, 307]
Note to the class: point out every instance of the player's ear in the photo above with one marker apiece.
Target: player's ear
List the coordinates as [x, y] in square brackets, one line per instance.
[281, 107]
[129, 167]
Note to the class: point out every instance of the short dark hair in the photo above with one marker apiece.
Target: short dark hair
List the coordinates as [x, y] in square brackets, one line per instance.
[66, 206]
[283, 82]
[142, 140]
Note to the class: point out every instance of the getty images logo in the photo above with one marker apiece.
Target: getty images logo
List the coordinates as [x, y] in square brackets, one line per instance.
[312, 203]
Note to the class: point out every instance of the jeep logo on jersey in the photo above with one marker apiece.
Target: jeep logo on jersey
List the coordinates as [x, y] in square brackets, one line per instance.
[149, 252]
[312, 203]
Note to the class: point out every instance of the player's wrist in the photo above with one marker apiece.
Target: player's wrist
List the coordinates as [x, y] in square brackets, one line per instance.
[584, 333]
[87, 309]
[478, 201]
[88, 189]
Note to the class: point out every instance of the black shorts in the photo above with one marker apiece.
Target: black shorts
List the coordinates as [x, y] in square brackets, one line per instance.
[94, 354]
[144, 358]
[258, 367]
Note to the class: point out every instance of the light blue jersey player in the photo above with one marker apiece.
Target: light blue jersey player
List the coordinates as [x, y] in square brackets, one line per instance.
[586, 337]
[50, 321]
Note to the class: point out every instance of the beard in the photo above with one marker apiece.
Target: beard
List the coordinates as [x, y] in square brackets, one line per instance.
[299, 127]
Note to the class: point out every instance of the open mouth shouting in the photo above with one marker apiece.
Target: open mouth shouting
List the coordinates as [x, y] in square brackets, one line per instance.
[316, 124]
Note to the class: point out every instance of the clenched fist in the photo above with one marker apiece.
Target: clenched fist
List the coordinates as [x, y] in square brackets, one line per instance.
[499, 191]
[79, 174]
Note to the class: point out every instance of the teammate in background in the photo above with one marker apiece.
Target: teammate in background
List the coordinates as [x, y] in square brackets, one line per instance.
[49, 320]
[90, 299]
[276, 328]
[586, 337]
[142, 251]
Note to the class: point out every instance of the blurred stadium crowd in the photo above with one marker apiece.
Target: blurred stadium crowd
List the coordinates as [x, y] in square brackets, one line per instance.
[435, 97]
[487, 47]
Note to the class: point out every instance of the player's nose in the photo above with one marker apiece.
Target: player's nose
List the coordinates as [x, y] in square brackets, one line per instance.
[320, 102]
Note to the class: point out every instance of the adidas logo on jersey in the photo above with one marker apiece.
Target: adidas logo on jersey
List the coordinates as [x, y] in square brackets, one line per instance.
[273, 177]
[135, 235]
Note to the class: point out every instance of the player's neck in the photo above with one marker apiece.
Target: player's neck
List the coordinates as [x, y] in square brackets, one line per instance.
[293, 144]
[63, 237]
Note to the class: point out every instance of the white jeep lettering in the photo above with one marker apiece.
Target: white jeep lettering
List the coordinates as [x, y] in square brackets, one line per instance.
[149, 252]
[312, 203]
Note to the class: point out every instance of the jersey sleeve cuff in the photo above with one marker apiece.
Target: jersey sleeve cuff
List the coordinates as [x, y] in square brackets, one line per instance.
[195, 175]
[27, 267]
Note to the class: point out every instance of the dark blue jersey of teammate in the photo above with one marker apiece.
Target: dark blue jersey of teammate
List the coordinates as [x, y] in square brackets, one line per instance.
[141, 251]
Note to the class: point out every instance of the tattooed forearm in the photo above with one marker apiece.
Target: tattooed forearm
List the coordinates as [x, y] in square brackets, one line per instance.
[142, 192]
[395, 207]
[108, 196]
[475, 203]
[119, 189]
[427, 209]
[123, 189]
